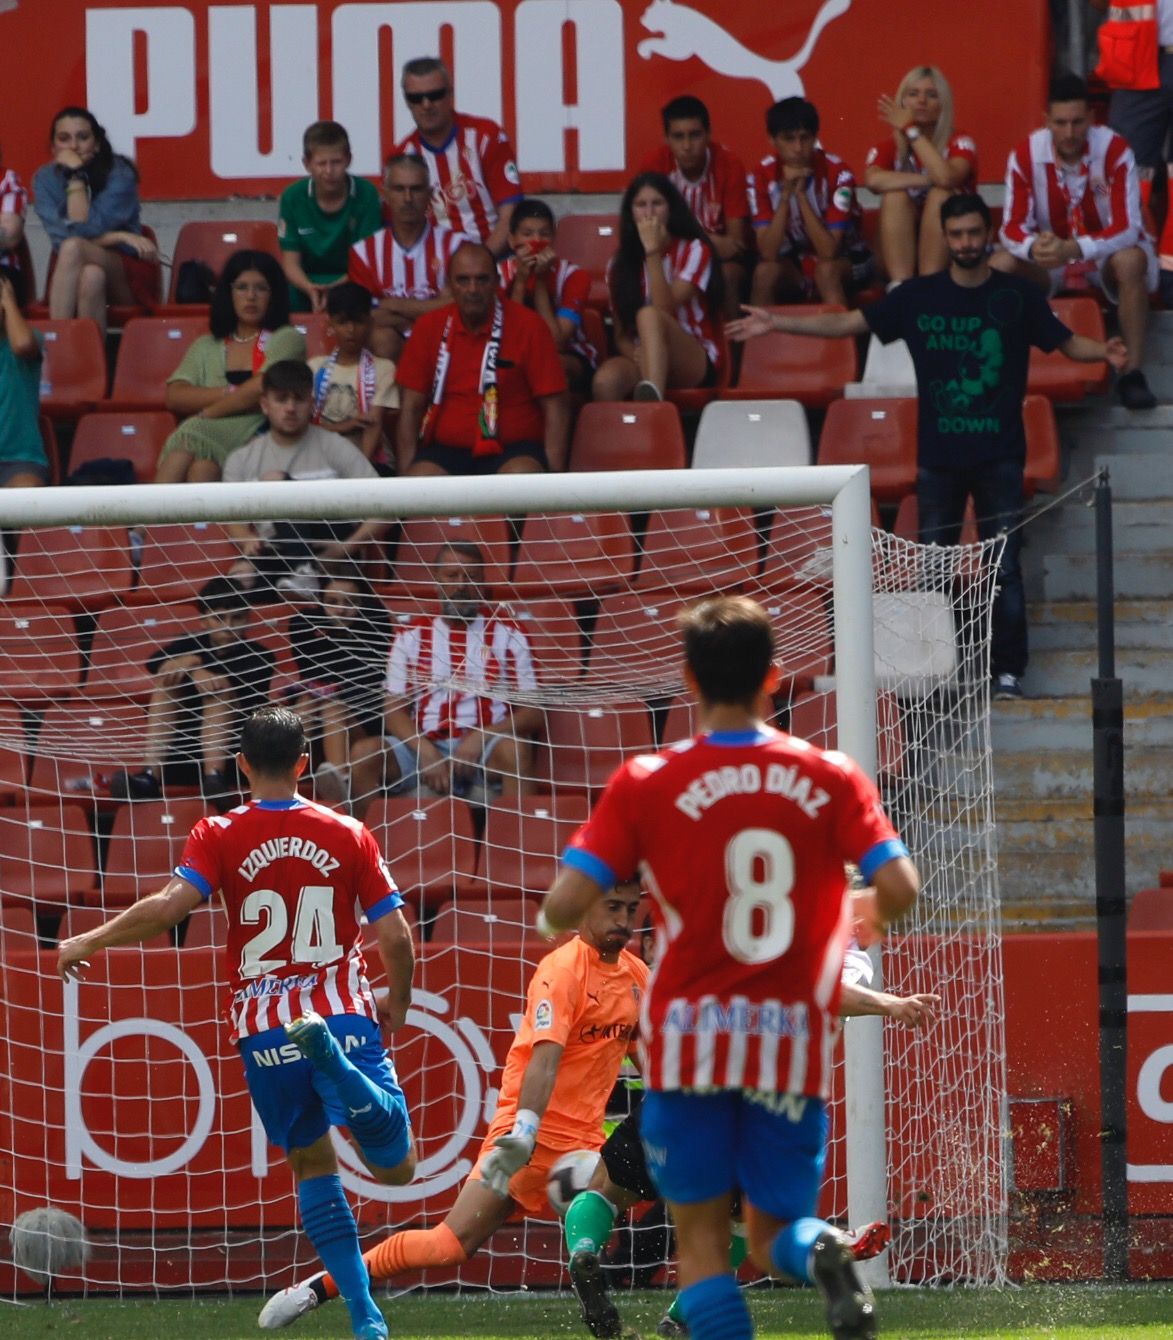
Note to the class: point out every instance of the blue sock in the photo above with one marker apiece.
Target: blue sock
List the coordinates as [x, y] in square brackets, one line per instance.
[715, 1310]
[329, 1225]
[791, 1249]
[376, 1118]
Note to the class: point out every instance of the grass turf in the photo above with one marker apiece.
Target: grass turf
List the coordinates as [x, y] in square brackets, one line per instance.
[1136, 1312]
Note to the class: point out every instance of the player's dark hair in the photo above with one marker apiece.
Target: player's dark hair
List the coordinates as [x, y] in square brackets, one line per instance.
[325, 135]
[627, 267]
[531, 208]
[792, 114]
[684, 108]
[1067, 87]
[273, 740]
[222, 319]
[348, 300]
[970, 203]
[291, 376]
[222, 595]
[729, 647]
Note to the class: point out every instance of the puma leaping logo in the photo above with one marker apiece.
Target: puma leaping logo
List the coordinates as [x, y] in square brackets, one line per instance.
[680, 32]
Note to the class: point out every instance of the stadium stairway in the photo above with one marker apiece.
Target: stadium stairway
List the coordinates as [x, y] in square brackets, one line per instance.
[1042, 744]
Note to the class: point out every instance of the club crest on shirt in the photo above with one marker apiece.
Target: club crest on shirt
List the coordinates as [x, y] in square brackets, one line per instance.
[456, 190]
[544, 1016]
[511, 173]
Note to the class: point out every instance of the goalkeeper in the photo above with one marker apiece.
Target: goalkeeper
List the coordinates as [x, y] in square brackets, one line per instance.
[580, 1020]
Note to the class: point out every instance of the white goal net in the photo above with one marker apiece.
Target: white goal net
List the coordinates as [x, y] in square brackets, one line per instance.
[121, 1099]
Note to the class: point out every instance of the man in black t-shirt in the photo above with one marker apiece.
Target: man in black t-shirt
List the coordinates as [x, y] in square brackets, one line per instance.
[969, 330]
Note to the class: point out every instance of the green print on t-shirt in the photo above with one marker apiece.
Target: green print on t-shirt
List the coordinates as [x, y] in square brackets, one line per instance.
[964, 401]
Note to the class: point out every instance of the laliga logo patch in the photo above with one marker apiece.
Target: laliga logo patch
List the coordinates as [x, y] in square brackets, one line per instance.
[544, 1016]
[511, 173]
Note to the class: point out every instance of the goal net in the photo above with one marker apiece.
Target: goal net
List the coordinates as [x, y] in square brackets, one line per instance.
[122, 1101]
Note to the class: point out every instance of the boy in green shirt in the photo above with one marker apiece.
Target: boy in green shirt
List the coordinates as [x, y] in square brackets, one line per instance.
[23, 463]
[323, 216]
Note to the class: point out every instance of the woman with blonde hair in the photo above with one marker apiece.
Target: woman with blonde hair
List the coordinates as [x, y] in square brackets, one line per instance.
[915, 170]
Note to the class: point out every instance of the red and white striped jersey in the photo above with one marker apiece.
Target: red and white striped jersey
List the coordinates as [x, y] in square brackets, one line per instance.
[14, 198]
[295, 877]
[389, 270]
[741, 840]
[450, 671]
[473, 174]
[690, 259]
[570, 288]
[883, 156]
[1096, 201]
[830, 188]
[718, 196]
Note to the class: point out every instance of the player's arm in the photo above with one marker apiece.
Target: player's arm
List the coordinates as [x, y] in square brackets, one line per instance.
[513, 1151]
[298, 279]
[568, 901]
[827, 325]
[894, 889]
[825, 240]
[916, 1011]
[143, 920]
[412, 405]
[398, 955]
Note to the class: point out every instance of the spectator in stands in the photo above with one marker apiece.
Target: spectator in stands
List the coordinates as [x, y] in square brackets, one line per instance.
[1072, 219]
[447, 723]
[14, 201]
[914, 170]
[666, 297]
[340, 647]
[87, 201]
[285, 556]
[405, 264]
[353, 388]
[713, 183]
[969, 330]
[481, 390]
[23, 463]
[322, 217]
[206, 684]
[556, 289]
[216, 388]
[806, 215]
[475, 182]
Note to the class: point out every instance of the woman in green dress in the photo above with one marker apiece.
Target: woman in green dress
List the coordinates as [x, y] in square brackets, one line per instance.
[216, 389]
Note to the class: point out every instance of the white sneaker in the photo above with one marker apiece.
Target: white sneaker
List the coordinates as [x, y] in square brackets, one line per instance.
[284, 1308]
[1007, 686]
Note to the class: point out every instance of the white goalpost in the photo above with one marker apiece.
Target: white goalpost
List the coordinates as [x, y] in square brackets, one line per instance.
[130, 1112]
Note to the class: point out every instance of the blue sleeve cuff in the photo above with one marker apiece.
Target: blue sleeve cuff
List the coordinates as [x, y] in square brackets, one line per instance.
[836, 227]
[569, 315]
[587, 863]
[194, 877]
[890, 849]
[383, 906]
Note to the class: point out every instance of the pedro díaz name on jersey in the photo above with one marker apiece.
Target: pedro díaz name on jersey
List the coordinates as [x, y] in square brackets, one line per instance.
[747, 779]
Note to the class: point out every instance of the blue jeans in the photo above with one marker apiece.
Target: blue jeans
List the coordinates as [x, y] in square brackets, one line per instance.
[996, 489]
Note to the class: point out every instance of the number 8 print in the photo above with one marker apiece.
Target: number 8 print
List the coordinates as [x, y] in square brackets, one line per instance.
[751, 849]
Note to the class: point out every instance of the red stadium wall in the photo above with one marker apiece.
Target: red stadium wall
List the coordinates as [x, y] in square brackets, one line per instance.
[211, 99]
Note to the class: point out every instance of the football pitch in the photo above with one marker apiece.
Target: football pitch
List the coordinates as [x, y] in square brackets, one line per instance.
[1136, 1312]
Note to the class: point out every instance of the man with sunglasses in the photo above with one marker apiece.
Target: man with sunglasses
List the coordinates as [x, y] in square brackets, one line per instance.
[474, 177]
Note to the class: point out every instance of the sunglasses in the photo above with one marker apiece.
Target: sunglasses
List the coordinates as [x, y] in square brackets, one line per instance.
[428, 95]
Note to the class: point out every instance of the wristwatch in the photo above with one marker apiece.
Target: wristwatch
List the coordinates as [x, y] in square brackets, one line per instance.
[911, 134]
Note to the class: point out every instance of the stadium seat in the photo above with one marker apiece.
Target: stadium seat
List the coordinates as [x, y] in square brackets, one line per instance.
[79, 920]
[698, 550]
[13, 753]
[813, 717]
[207, 928]
[1152, 910]
[555, 637]
[39, 654]
[125, 640]
[810, 370]
[595, 331]
[1044, 460]
[214, 242]
[315, 326]
[590, 240]
[1057, 377]
[46, 855]
[907, 523]
[888, 373]
[430, 845]
[151, 348]
[77, 567]
[146, 843]
[422, 538]
[803, 640]
[680, 721]
[137, 438]
[636, 642]
[798, 548]
[81, 744]
[916, 649]
[574, 553]
[751, 432]
[73, 375]
[880, 434]
[18, 930]
[624, 435]
[588, 744]
[503, 920]
[524, 840]
[176, 560]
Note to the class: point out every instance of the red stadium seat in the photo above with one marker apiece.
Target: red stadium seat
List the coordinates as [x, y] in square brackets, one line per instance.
[1152, 910]
[137, 438]
[590, 240]
[796, 367]
[73, 375]
[636, 641]
[151, 348]
[575, 554]
[803, 639]
[680, 723]
[524, 840]
[315, 327]
[207, 927]
[422, 538]
[13, 753]
[499, 921]
[1057, 377]
[624, 435]
[18, 930]
[1044, 461]
[880, 434]
[176, 561]
[430, 843]
[81, 744]
[213, 243]
[907, 524]
[39, 654]
[125, 640]
[705, 549]
[552, 629]
[76, 567]
[813, 717]
[146, 844]
[798, 547]
[586, 746]
[46, 855]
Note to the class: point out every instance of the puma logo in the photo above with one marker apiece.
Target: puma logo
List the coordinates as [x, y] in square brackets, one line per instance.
[680, 32]
[359, 1111]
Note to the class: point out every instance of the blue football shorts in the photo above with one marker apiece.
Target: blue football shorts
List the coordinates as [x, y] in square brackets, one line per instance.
[297, 1105]
[772, 1147]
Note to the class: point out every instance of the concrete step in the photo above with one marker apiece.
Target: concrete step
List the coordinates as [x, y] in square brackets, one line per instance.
[1081, 634]
[1160, 379]
[1060, 576]
[1138, 478]
[1148, 827]
[1066, 774]
[1067, 673]
[1137, 527]
[1057, 723]
[1071, 874]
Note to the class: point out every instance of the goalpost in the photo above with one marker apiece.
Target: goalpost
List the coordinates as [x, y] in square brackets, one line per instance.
[121, 1101]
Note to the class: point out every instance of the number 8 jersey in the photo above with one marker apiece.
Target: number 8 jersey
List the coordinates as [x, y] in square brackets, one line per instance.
[295, 878]
[741, 839]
